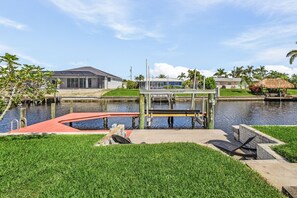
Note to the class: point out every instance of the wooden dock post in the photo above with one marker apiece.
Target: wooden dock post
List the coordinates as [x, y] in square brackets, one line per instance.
[105, 123]
[210, 111]
[133, 123]
[53, 110]
[23, 121]
[71, 106]
[141, 111]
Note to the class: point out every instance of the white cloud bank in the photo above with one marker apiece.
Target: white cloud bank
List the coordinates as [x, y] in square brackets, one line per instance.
[12, 24]
[6, 49]
[173, 71]
[282, 69]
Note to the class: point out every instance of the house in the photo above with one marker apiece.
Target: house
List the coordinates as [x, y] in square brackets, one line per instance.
[229, 83]
[86, 78]
[232, 83]
[161, 83]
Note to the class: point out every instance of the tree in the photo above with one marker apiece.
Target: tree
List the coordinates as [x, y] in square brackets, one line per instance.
[249, 71]
[276, 74]
[210, 83]
[260, 73]
[293, 80]
[182, 76]
[237, 72]
[221, 73]
[131, 84]
[162, 76]
[18, 81]
[292, 54]
[199, 77]
[139, 77]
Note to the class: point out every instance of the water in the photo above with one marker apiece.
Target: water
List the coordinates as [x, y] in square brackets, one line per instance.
[226, 114]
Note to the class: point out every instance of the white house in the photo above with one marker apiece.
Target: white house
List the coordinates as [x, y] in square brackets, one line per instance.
[232, 83]
[229, 83]
[87, 78]
[161, 83]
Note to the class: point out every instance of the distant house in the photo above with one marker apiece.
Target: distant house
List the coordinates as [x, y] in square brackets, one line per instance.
[229, 83]
[86, 78]
[232, 83]
[161, 83]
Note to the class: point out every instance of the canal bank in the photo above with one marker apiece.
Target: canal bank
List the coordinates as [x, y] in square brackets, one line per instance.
[136, 99]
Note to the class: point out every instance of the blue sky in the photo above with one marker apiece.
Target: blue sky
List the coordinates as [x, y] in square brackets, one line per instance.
[173, 35]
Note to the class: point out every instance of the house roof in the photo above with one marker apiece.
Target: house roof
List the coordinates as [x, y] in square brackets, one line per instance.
[275, 83]
[85, 71]
[227, 79]
[163, 80]
[73, 73]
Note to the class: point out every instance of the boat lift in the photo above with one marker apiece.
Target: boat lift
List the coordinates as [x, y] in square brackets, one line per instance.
[205, 118]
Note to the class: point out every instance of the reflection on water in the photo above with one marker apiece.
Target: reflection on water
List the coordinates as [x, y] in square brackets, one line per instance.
[226, 114]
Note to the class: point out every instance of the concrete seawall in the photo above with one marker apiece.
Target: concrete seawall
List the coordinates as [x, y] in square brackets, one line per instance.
[135, 99]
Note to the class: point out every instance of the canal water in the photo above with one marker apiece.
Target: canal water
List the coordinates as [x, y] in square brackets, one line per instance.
[226, 114]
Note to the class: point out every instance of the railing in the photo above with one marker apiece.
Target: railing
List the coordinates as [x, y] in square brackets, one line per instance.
[11, 124]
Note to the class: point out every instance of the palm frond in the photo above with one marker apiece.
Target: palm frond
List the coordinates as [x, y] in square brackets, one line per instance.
[293, 52]
[293, 58]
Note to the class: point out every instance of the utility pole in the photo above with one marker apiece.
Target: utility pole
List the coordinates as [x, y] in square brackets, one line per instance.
[131, 73]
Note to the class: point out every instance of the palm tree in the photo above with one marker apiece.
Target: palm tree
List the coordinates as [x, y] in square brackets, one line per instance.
[139, 78]
[260, 73]
[237, 72]
[182, 76]
[292, 54]
[221, 73]
[162, 76]
[249, 70]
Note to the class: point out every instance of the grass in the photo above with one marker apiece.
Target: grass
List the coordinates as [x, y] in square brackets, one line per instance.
[123, 92]
[135, 92]
[287, 134]
[235, 92]
[292, 92]
[70, 166]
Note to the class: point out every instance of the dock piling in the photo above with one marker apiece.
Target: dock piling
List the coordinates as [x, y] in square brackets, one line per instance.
[210, 111]
[53, 110]
[71, 106]
[105, 123]
[23, 120]
[141, 111]
[133, 123]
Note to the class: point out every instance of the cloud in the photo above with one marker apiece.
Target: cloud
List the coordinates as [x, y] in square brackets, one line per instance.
[273, 55]
[114, 14]
[31, 60]
[13, 24]
[282, 69]
[263, 36]
[173, 71]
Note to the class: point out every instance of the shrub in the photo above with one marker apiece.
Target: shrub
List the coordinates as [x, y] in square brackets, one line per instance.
[131, 84]
[256, 90]
[210, 83]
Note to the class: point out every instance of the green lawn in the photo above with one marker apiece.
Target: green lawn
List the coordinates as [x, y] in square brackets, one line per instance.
[235, 92]
[292, 91]
[135, 92]
[70, 166]
[286, 134]
[123, 92]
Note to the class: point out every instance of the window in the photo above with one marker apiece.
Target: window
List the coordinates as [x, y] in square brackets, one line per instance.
[82, 83]
[108, 79]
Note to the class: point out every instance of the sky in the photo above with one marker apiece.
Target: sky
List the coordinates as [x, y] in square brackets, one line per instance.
[173, 35]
